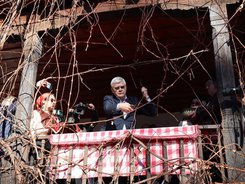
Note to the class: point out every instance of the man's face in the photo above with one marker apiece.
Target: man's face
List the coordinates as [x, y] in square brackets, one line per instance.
[119, 90]
[49, 103]
[211, 89]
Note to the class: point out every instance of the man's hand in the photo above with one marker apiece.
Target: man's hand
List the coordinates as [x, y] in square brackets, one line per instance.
[44, 83]
[145, 94]
[91, 106]
[125, 107]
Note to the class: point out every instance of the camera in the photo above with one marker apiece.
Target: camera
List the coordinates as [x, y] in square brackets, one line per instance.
[80, 108]
[59, 114]
[233, 91]
[77, 111]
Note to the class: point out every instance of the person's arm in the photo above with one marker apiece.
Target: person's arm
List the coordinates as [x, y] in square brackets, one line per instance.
[109, 106]
[145, 94]
[114, 108]
[94, 114]
[33, 132]
[33, 125]
[150, 108]
[94, 117]
[36, 126]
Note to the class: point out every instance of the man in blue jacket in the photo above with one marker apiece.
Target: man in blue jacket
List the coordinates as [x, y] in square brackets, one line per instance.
[120, 109]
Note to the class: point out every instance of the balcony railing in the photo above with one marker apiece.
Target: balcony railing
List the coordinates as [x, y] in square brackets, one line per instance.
[151, 152]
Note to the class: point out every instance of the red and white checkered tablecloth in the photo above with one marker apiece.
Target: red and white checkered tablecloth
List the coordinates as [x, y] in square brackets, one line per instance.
[106, 142]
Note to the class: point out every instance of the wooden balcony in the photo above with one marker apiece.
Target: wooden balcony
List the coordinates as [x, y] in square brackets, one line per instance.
[151, 152]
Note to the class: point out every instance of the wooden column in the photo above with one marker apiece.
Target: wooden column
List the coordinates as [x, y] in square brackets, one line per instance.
[225, 79]
[32, 52]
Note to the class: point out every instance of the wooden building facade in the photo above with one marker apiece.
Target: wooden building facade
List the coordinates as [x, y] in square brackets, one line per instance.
[170, 46]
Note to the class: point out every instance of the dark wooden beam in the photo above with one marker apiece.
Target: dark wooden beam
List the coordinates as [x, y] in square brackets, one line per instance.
[66, 17]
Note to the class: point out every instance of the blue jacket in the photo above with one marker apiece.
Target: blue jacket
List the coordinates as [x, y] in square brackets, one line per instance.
[111, 111]
[6, 118]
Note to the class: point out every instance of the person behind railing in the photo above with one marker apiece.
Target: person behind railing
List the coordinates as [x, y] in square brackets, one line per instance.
[213, 103]
[76, 113]
[121, 108]
[189, 114]
[41, 121]
[7, 112]
[205, 112]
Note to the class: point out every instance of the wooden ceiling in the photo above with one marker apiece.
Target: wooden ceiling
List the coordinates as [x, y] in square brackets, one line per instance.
[147, 46]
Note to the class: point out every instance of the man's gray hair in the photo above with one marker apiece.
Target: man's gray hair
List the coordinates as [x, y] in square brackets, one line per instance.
[117, 80]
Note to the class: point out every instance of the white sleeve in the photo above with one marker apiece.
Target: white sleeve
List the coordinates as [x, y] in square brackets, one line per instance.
[36, 126]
